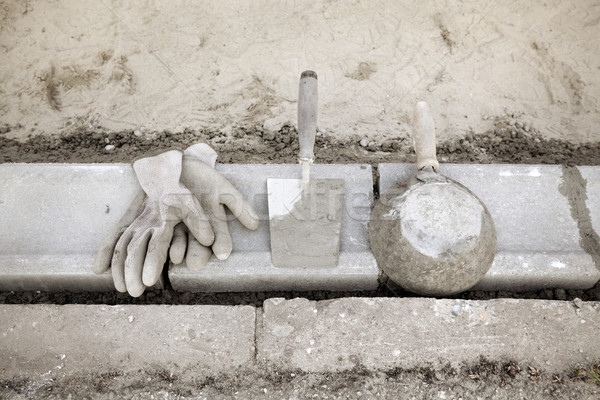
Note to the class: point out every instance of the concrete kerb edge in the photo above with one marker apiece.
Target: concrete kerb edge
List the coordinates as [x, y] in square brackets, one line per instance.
[376, 334]
[379, 341]
[575, 188]
[574, 197]
[585, 273]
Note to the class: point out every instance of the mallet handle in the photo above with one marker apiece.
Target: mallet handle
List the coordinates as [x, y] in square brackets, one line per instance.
[424, 137]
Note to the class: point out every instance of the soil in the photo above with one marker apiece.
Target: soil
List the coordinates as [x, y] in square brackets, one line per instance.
[507, 142]
[214, 64]
[169, 296]
[486, 379]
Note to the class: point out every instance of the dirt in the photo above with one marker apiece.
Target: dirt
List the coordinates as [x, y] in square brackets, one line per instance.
[503, 379]
[507, 142]
[169, 296]
[134, 66]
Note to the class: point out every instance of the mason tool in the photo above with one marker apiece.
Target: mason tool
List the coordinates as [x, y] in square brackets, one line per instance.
[305, 215]
[430, 234]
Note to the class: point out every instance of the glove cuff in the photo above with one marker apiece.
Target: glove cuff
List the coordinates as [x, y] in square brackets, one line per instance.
[202, 152]
[159, 174]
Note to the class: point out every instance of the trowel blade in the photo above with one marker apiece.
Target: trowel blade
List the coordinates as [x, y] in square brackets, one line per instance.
[305, 222]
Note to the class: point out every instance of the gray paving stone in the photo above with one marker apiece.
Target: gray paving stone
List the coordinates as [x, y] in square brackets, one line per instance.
[538, 240]
[249, 268]
[53, 340]
[56, 215]
[384, 333]
[54, 218]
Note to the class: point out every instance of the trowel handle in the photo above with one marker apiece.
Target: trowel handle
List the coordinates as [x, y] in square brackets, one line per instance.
[307, 114]
[424, 137]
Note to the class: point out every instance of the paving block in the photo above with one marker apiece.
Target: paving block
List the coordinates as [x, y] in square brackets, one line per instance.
[249, 268]
[385, 333]
[57, 215]
[54, 218]
[538, 240]
[52, 340]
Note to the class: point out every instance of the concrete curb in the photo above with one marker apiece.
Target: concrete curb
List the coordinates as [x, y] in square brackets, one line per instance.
[388, 333]
[540, 215]
[48, 341]
[539, 240]
[55, 217]
[57, 340]
[250, 268]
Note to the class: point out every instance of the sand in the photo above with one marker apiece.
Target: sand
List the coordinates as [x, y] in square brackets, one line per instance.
[218, 65]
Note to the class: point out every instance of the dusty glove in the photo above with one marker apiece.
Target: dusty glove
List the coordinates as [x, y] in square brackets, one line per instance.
[214, 193]
[213, 189]
[141, 251]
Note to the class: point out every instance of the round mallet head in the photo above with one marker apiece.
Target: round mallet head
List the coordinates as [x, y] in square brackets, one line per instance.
[430, 234]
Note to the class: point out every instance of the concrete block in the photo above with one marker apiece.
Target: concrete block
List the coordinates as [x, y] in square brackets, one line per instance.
[249, 268]
[538, 240]
[54, 218]
[384, 333]
[60, 340]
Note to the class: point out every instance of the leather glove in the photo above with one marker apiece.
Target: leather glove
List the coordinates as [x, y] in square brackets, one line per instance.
[141, 250]
[130, 272]
[214, 193]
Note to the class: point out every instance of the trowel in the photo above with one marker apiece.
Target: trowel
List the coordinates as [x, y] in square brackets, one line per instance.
[305, 215]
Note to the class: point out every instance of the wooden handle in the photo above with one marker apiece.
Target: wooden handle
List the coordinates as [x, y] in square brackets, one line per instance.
[307, 114]
[424, 137]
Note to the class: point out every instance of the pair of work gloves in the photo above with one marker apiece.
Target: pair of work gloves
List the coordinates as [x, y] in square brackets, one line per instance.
[180, 213]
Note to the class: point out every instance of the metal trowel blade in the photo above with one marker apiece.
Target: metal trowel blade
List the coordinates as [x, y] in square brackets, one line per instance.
[305, 222]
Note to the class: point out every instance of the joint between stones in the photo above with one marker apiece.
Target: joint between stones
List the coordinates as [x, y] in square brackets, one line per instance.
[573, 187]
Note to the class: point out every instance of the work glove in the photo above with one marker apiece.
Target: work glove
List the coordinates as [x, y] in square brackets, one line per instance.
[214, 193]
[141, 249]
[165, 215]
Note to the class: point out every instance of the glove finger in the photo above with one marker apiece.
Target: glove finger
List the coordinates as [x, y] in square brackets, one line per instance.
[156, 256]
[178, 244]
[238, 205]
[118, 260]
[222, 245]
[198, 224]
[136, 253]
[197, 255]
[102, 260]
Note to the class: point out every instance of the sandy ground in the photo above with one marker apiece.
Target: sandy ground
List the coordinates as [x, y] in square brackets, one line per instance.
[170, 65]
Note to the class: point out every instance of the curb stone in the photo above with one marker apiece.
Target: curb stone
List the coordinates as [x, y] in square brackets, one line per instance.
[71, 207]
[49, 341]
[384, 333]
[249, 268]
[53, 340]
[538, 238]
